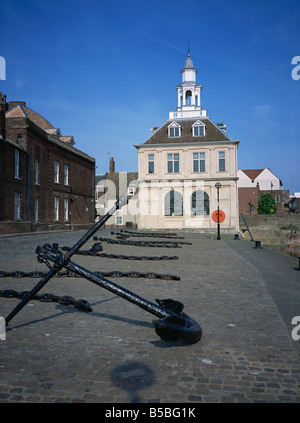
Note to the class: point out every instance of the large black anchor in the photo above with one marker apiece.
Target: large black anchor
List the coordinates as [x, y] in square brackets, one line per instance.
[172, 325]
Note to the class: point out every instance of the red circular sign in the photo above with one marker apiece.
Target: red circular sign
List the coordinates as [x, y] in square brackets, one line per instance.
[221, 216]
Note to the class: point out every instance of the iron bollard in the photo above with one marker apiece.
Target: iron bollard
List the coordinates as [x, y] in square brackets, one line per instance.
[257, 244]
[298, 268]
[236, 236]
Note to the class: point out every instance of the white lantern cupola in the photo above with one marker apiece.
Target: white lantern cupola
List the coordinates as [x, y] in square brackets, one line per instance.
[189, 101]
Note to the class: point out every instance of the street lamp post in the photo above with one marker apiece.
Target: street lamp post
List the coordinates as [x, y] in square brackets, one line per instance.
[218, 186]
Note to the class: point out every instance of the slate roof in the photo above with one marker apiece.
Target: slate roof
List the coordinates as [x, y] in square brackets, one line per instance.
[212, 133]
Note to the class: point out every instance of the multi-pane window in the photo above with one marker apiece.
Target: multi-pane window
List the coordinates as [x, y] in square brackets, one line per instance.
[36, 172]
[173, 204]
[200, 203]
[198, 162]
[221, 161]
[174, 132]
[173, 163]
[150, 163]
[119, 220]
[17, 206]
[66, 209]
[56, 208]
[66, 174]
[56, 172]
[198, 131]
[36, 209]
[17, 164]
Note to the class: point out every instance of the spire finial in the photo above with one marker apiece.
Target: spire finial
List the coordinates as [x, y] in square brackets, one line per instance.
[188, 48]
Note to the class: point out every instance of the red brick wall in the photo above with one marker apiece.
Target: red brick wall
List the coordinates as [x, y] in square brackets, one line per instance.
[79, 191]
[9, 185]
[247, 195]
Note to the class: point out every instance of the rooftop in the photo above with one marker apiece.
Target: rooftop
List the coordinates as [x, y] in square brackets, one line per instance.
[18, 109]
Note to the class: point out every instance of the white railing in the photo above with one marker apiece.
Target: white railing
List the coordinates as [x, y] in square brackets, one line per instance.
[188, 114]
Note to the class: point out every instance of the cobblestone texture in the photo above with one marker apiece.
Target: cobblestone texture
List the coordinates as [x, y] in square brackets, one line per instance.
[55, 353]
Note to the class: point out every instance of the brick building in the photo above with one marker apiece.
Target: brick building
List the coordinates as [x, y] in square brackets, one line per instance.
[45, 182]
[254, 182]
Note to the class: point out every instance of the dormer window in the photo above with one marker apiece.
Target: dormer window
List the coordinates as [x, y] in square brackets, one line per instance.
[198, 129]
[174, 130]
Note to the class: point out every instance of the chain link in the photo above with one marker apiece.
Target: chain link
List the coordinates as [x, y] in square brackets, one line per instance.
[126, 234]
[63, 300]
[95, 253]
[165, 244]
[113, 274]
[152, 234]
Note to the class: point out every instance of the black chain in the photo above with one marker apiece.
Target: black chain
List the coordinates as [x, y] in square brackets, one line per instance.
[94, 252]
[32, 274]
[152, 234]
[113, 274]
[166, 244]
[64, 300]
[149, 275]
[126, 234]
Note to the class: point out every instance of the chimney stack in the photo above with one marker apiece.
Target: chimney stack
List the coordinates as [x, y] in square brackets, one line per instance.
[13, 104]
[3, 110]
[111, 165]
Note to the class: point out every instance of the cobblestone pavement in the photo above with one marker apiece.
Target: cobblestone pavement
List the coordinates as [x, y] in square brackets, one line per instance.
[55, 353]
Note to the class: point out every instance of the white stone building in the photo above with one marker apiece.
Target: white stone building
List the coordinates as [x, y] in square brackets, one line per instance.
[179, 165]
[264, 177]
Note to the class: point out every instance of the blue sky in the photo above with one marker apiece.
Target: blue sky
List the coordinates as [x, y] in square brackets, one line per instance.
[106, 72]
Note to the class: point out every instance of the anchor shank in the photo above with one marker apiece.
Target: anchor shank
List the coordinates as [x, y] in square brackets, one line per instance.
[120, 203]
[118, 290]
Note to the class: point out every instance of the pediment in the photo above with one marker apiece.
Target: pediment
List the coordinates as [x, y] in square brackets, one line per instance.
[198, 123]
[174, 124]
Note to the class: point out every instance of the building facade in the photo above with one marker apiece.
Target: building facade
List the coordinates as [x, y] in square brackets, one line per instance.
[45, 182]
[180, 164]
[109, 187]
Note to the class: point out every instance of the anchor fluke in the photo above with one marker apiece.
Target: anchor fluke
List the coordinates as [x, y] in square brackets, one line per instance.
[172, 305]
[178, 326]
